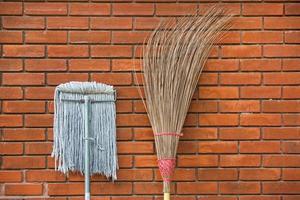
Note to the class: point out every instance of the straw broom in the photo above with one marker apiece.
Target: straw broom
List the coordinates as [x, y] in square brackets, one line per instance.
[173, 59]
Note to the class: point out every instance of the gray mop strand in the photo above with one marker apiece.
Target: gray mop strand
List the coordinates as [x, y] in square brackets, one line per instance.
[69, 128]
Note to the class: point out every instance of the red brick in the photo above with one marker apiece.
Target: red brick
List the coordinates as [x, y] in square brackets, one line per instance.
[239, 133]
[122, 37]
[253, 92]
[281, 188]
[197, 188]
[288, 133]
[124, 133]
[135, 148]
[292, 9]
[58, 78]
[39, 120]
[260, 120]
[166, 9]
[132, 120]
[199, 133]
[23, 162]
[83, 37]
[89, 65]
[218, 147]
[11, 65]
[262, 37]
[10, 176]
[282, 23]
[23, 189]
[281, 106]
[128, 93]
[281, 161]
[67, 23]
[240, 78]
[113, 78]
[126, 64]
[246, 23]
[291, 119]
[23, 51]
[145, 161]
[39, 93]
[259, 174]
[263, 9]
[149, 188]
[218, 120]
[11, 93]
[45, 65]
[20, 134]
[203, 106]
[291, 92]
[11, 8]
[68, 51]
[281, 51]
[135, 175]
[38, 148]
[11, 120]
[239, 106]
[187, 147]
[133, 9]
[23, 22]
[197, 161]
[229, 37]
[241, 51]
[23, 107]
[260, 64]
[89, 9]
[290, 147]
[111, 51]
[8, 148]
[208, 79]
[44, 176]
[179, 175]
[292, 37]
[291, 174]
[218, 92]
[221, 65]
[45, 8]
[217, 174]
[146, 23]
[231, 8]
[259, 147]
[11, 36]
[111, 23]
[240, 188]
[46, 37]
[239, 160]
[23, 79]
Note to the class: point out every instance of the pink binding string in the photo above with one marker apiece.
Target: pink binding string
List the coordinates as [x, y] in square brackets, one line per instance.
[166, 168]
[169, 134]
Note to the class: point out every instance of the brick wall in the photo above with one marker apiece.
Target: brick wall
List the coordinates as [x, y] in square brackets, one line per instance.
[241, 134]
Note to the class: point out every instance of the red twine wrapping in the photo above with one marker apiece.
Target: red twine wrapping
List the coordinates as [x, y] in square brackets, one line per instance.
[166, 168]
[169, 134]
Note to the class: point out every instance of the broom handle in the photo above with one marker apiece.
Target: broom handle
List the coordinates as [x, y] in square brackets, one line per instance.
[87, 149]
[166, 196]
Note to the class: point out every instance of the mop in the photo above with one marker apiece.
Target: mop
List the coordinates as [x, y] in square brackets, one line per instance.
[85, 130]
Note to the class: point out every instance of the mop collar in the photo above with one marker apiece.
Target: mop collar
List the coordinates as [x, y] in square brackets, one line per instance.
[166, 167]
[168, 134]
[85, 88]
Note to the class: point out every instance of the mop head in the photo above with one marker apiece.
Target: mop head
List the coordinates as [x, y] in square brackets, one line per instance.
[68, 148]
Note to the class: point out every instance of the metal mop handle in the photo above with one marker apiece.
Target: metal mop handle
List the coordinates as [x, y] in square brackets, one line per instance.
[87, 148]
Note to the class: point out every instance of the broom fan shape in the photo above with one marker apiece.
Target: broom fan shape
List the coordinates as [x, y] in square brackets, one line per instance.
[173, 58]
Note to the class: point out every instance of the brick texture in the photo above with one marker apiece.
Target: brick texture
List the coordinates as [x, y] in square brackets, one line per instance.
[241, 133]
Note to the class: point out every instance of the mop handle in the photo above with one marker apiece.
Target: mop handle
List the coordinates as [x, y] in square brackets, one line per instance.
[87, 148]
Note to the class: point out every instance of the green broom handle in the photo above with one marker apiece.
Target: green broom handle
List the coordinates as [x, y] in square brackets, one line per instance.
[87, 148]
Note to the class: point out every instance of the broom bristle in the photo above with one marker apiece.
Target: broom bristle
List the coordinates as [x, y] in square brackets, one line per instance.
[172, 64]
